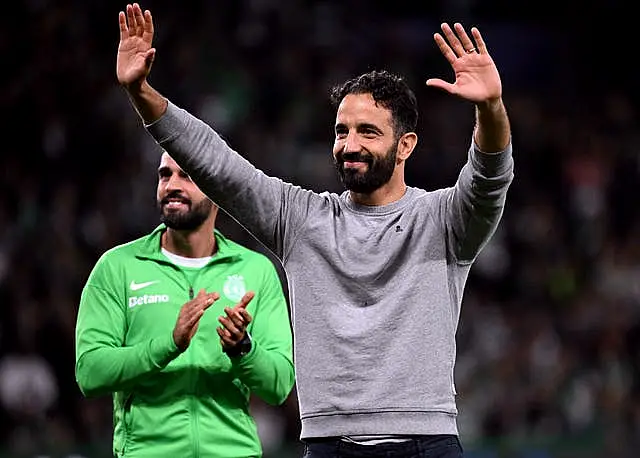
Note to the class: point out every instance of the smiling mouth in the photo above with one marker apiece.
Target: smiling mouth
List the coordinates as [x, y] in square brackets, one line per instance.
[353, 164]
[175, 204]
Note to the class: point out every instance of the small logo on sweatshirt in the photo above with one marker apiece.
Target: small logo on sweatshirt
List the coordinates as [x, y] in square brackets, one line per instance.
[234, 287]
[136, 286]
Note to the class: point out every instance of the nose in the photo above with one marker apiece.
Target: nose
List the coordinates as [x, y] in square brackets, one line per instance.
[351, 143]
[173, 183]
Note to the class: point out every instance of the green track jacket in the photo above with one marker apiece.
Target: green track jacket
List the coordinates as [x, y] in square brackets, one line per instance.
[194, 404]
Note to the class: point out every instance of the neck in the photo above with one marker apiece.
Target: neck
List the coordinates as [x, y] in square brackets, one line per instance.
[386, 194]
[199, 243]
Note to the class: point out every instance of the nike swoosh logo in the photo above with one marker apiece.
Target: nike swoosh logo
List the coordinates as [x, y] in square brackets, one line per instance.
[136, 286]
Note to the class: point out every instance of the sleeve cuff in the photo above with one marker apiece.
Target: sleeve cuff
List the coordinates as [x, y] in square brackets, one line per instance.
[163, 350]
[491, 164]
[248, 358]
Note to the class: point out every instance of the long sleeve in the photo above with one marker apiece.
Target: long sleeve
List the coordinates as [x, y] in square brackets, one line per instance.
[103, 364]
[268, 368]
[473, 208]
[260, 203]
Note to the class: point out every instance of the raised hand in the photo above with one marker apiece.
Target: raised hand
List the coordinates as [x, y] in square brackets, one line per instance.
[189, 317]
[135, 54]
[235, 323]
[477, 78]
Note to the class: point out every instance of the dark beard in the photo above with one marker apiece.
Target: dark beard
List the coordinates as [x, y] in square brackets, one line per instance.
[379, 170]
[189, 220]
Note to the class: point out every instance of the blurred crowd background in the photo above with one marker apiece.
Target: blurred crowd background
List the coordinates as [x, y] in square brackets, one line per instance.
[549, 340]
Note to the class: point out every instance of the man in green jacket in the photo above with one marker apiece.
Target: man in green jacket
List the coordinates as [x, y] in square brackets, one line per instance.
[181, 326]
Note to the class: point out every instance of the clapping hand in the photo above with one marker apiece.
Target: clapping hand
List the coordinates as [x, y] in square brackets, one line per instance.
[234, 324]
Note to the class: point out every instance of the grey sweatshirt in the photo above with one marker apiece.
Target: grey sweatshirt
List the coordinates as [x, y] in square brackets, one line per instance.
[375, 291]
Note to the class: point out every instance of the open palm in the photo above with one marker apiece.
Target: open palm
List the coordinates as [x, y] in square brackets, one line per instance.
[476, 76]
[135, 54]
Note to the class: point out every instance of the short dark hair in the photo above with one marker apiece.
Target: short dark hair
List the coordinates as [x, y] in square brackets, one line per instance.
[390, 91]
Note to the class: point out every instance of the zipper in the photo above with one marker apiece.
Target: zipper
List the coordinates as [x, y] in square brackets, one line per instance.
[193, 375]
[193, 401]
[193, 382]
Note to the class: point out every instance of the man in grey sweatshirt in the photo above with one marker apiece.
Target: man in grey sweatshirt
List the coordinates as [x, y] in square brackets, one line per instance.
[377, 273]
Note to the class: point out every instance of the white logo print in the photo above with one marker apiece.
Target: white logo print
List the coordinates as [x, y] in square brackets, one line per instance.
[234, 287]
[136, 286]
[148, 299]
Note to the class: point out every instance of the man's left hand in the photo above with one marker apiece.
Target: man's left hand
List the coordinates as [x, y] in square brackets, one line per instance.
[477, 78]
[234, 324]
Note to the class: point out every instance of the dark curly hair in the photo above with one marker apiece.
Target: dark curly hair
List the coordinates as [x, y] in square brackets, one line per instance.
[389, 91]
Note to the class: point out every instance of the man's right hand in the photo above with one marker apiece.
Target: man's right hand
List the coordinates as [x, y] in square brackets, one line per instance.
[135, 54]
[189, 317]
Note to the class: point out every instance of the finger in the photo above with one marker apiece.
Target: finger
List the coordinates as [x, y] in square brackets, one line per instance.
[131, 21]
[193, 320]
[234, 312]
[207, 301]
[240, 316]
[226, 343]
[122, 21]
[225, 336]
[193, 331]
[446, 51]
[230, 326]
[148, 22]
[210, 299]
[195, 307]
[226, 340]
[246, 316]
[188, 311]
[204, 303]
[199, 298]
[137, 12]
[480, 44]
[245, 299]
[235, 317]
[453, 40]
[441, 84]
[201, 301]
[151, 55]
[467, 44]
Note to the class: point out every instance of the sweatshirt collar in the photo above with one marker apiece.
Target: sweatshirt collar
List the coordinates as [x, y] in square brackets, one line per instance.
[150, 248]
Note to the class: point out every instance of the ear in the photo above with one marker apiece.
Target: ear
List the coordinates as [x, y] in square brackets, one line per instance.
[406, 145]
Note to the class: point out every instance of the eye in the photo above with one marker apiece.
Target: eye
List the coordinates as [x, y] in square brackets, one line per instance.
[369, 131]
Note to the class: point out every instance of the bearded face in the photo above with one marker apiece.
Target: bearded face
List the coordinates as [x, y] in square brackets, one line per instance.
[362, 172]
[180, 213]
